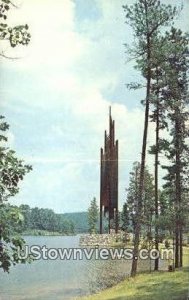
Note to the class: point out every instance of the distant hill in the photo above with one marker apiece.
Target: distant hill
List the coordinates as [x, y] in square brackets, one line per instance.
[79, 219]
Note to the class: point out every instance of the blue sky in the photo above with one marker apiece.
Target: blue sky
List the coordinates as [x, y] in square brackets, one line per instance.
[56, 98]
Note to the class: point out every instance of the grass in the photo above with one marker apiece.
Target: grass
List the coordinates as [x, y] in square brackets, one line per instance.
[160, 285]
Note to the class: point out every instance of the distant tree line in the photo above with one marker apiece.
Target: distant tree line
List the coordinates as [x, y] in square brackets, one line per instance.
[43, 219]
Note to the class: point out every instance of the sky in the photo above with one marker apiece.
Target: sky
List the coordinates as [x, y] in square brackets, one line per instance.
[56, 98]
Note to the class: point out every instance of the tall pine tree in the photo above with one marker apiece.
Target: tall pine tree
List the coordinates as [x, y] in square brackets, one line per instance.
[146, 17]
[176, 149]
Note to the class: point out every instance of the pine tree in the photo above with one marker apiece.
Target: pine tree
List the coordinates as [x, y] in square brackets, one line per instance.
[147, 211]
[125, 218]
[146, 17]
[158, 116]
[176, 149]
[93, 216]
[132, 194]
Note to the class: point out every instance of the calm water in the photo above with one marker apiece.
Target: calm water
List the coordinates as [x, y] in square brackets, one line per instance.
[61, 279]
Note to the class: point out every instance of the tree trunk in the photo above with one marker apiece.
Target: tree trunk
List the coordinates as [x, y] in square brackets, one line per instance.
[141, 183]
[143, 154]
[178, 245]
[156, 266]
[181, 247]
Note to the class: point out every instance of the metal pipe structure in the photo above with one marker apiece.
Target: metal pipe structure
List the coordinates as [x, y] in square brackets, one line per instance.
[109, 177]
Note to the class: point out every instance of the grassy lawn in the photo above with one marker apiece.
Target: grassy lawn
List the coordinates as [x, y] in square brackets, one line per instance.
[154, 286]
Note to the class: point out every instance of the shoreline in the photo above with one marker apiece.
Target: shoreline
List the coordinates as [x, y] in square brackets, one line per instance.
[161, 285]
[156, 285]
[45, 233]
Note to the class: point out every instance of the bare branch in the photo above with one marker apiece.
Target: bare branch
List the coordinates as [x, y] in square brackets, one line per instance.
[14, 5]
[8, 57]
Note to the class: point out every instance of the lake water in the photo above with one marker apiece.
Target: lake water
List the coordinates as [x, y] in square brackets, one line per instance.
[62, 279]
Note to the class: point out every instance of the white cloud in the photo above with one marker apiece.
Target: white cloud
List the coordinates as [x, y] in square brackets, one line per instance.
[66, 79]
[54, 41]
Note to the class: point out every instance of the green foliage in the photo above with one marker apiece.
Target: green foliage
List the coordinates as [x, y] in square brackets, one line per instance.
[93, 216]
[146, 18]
[134, 86]
[17, 35]
[125, 217]
[12, 171]
[10, 219]
[79, 219]
[176, 100]
[44, 219]
[148, 205]
[162, 60]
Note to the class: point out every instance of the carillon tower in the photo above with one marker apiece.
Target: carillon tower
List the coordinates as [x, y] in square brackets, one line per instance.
[109, 178]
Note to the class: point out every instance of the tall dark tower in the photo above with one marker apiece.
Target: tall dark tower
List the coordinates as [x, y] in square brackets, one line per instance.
[109, 177]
